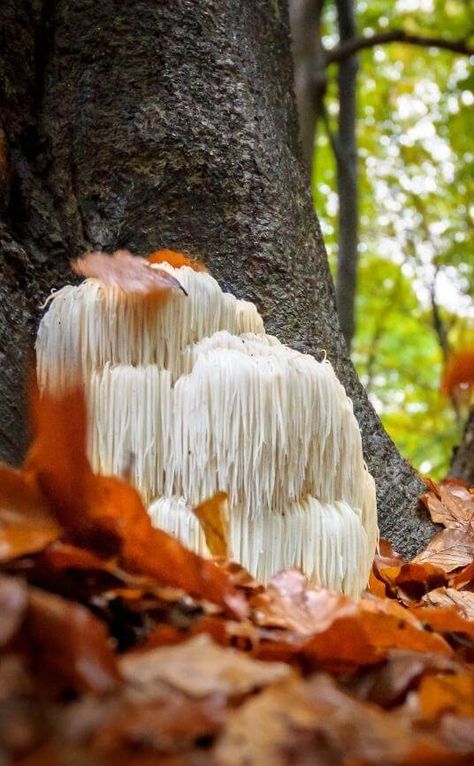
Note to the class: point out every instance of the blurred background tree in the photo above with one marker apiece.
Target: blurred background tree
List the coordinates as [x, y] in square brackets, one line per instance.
[385, 93]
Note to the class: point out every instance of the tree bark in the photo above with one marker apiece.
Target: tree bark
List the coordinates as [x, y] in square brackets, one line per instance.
[145, 124]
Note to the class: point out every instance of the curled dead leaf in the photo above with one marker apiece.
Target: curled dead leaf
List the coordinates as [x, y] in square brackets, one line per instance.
[126, 271]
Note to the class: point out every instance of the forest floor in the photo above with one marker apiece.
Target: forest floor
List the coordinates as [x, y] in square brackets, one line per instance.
[118, 645]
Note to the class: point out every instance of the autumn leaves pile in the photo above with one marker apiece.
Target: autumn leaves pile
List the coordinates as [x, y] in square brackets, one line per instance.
[118, 645]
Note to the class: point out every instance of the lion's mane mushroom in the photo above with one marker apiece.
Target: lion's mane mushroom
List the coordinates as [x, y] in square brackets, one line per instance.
[204, 400]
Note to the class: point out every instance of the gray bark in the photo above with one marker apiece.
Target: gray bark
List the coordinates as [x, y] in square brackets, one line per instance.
[145, 124]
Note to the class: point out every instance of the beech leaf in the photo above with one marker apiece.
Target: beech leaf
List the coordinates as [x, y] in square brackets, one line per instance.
[129, 272]
[213, 517]
[199, 668]
[449, 549]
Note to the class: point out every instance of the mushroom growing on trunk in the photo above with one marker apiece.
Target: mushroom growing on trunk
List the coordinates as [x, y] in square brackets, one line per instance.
[195, 395]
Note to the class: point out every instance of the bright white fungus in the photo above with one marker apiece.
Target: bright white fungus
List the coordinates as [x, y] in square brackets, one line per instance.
[197, 398]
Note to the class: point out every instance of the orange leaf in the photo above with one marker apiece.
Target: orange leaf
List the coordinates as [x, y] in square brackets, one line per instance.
[175, 259]
[213, 517]
[444, 620]
[105, 513]
[440, 694]
[459, 371]
[131, 273]
[26, 524]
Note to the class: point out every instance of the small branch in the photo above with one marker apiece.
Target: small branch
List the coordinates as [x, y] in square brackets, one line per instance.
[347, 49]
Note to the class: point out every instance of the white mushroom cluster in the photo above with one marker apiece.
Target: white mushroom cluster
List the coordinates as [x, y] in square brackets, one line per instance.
[197, 398]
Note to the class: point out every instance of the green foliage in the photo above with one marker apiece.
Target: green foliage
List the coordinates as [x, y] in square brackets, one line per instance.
[416, 175]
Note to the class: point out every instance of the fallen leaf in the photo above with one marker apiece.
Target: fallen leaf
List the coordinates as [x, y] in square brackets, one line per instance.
[449, 549]
[213, 518]
[70, 646]
[129, 272]
[387, 685]
[290, 603]
[13, 604]
[443, 693]
[411, 581]
[177, 260]
[199, 668]
[457, 732]
[368, 635]
[444, 621]
[464, 578]
[332, 630]
[26, 523]
[462, 600]
[108, 515]
[448, 507]
[314, 722]
[172, 722]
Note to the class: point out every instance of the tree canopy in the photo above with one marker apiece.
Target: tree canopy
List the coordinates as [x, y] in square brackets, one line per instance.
[415, 166]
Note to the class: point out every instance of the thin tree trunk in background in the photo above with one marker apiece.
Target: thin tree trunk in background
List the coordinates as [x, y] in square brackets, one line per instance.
[462, 466]
[142, 125]
[310, 70]
[347, 182]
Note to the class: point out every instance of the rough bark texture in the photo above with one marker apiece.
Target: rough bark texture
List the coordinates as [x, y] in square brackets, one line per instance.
[462, 466]
[140, 124]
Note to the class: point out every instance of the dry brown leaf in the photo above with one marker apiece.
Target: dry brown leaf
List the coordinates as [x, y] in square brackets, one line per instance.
[448, 506]
[13, 604]
[214, 519]
[389, 683]
[314, 722]
[70, 646]
[462, 600]
[199, 668]
[449, 549]
[290, 603]
[129, 272]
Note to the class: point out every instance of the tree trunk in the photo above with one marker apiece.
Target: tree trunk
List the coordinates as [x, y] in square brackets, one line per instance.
[145, 124]
[347, 181]
[310, 70]
[462, 466]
